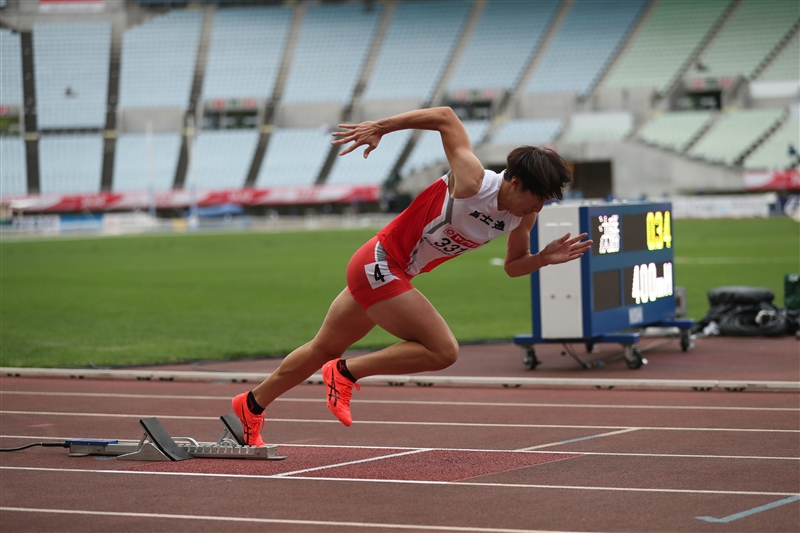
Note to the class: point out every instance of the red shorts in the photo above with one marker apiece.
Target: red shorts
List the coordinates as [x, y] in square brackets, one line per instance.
[373, 277]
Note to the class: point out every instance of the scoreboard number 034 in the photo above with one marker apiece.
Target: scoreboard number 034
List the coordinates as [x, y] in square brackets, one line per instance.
[659, 230]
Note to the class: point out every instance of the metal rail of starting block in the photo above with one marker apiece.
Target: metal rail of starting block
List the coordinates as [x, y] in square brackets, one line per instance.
[157, 445]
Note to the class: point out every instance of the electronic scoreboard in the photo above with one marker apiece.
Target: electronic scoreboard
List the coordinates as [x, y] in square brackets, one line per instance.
[626, 281]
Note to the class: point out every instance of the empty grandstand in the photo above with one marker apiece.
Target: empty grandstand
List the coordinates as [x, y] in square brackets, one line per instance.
[753, 31]
[584, 45]
[598, 127]
[705, 86]
[245, 53]
[676, 131]
[13, 174]
[158, 61]
[735, 133]
[528, 131]
[781, 151]
[221, 159]
[294, 157]
[669, 35]
[415, 52]
[70, 163]
[786, 65]
[428, 149]
[11, 60]
[330, 53]
[504, 39]
[71, 73]
[376, 169]
[142, 163]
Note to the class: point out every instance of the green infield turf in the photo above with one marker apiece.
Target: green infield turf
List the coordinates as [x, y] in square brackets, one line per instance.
[150, 299]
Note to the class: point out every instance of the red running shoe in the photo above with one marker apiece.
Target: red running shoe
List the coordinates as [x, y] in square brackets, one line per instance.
[251, 424]
[340, 389]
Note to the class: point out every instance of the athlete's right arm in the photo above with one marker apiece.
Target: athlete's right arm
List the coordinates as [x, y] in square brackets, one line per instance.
[467, 170]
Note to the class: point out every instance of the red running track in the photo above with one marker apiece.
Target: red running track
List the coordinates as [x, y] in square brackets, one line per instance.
[442, 458]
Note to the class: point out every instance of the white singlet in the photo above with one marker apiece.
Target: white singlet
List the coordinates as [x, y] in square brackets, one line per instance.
[436, 227]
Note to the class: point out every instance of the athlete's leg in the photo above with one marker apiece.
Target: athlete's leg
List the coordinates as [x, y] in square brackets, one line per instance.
[345, 323]
[429, 343]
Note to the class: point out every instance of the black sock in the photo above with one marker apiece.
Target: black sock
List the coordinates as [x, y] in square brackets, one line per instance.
[252, 404]
[341, 366]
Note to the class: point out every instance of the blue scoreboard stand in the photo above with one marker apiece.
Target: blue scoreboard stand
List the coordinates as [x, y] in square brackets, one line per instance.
[625, 283]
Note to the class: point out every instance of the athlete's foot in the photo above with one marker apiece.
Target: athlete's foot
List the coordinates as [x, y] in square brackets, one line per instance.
[340, 389]
[251, 424]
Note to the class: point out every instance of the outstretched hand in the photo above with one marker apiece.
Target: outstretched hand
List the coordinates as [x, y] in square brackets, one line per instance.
[359, 134]
[565, 249]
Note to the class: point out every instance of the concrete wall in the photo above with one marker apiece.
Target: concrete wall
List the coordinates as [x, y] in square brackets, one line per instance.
[639, 169]
[308, 115]
[545, 105]
[377, 109]
[639, 101]
[167, 119]
[21, 16]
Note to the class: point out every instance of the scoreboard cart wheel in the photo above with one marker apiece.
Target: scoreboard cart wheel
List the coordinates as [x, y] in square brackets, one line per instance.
[686, 340]
[633, 357]
[529, 358]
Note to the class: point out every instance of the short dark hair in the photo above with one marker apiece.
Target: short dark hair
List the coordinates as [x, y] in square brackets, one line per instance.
[540, 170]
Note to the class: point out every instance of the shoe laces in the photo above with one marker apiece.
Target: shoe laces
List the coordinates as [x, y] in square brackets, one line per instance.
[252, 426]
[341, 388]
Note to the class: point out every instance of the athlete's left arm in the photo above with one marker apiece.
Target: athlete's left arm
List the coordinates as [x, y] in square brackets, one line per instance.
[519, 260]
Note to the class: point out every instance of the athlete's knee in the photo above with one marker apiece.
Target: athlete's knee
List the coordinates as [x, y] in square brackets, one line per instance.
[322, 354]
[445, 354]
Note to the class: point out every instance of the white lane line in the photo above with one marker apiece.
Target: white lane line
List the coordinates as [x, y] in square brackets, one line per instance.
[241, 519]
[410, 402]
[405, 423]
[471, 450]
[405, 481]
[368, 460]
[579, 439]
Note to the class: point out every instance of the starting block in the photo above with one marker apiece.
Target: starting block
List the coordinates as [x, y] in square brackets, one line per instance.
[157, 445]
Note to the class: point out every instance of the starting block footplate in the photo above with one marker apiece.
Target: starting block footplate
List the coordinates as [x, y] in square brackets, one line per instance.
[157, 445]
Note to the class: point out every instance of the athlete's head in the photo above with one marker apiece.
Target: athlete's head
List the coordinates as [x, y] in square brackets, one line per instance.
[540, 170]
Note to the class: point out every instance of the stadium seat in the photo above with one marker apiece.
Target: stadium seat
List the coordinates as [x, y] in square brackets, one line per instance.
[528, 132]
[415, 51]
[158, 60]
[734, 133]
[294, 157]
[775, 153]
[786, 65]
[353, 169]
[674, 130]
[222, 159]
[584, 44]
[133, 164]
[13, 170]
[504, 39]
[428, 149]
[70, 163]
[747, 38]
[245, 52]
[11, 59]
[604, 127]
[664, 43]
[331, 50]
[71, 74]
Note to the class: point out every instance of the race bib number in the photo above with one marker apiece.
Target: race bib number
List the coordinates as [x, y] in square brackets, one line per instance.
[378, 274]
